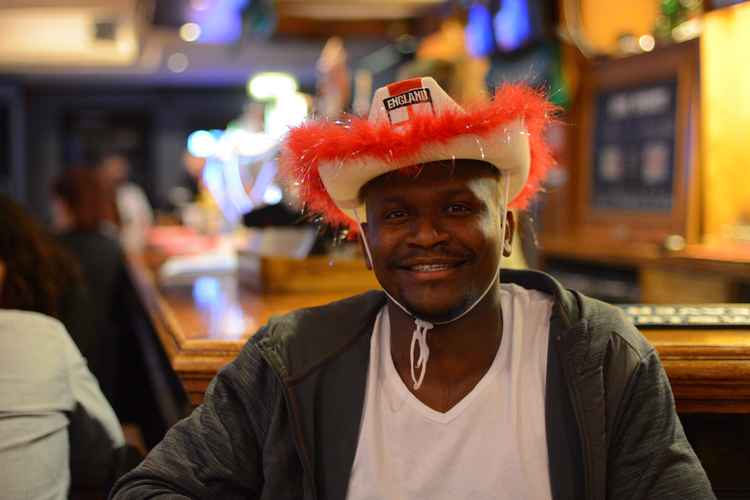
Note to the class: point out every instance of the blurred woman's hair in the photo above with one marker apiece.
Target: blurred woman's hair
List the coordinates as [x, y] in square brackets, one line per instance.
[37, 269]
[86, 198]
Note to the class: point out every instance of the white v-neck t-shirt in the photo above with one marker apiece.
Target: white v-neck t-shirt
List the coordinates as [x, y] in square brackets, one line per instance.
[491, 445]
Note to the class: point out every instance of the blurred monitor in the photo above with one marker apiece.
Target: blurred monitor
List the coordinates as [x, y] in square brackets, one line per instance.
[507, 26]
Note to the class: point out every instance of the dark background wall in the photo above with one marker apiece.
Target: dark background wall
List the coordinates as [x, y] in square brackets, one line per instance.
[47, 127]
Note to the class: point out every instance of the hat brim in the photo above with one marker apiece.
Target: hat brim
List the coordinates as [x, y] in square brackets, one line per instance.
[506, 149]
[329, 163]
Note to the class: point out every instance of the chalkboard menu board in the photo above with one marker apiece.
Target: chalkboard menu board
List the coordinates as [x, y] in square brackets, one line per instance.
[634, 147]
[636, 143]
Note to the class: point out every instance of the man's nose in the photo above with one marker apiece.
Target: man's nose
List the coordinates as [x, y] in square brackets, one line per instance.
[427, 232]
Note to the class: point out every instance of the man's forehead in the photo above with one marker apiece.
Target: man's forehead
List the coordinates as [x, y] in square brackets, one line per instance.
[429, 175]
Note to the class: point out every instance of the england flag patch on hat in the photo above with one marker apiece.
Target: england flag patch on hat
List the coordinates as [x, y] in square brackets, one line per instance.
[407, 98]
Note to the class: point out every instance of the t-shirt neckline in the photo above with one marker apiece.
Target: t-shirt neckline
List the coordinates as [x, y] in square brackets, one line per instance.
[405, 396]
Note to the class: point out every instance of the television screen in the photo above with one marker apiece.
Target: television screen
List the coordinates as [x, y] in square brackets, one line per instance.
[512, 25]
[480, 40]
[507, 26]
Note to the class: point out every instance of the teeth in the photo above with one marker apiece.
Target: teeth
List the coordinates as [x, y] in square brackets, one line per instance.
[430, 268]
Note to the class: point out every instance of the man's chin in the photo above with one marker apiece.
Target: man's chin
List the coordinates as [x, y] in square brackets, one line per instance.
[436, 312]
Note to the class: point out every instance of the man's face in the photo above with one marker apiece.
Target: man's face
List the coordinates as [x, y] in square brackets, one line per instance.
[435, 237]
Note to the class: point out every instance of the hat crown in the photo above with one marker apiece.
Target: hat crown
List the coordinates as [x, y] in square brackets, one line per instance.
[398, 102]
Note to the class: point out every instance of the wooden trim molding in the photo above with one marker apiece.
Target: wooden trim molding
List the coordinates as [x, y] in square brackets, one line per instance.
[709, 369]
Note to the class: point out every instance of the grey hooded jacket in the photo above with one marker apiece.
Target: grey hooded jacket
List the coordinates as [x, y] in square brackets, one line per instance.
[282, 420]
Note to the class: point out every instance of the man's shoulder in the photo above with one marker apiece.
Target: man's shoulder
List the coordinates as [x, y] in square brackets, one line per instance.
[304, 338]
[603, 324]
[608, 320]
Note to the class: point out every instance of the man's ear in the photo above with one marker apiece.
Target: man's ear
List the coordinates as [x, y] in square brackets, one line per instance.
[362, 246]
[510, 228]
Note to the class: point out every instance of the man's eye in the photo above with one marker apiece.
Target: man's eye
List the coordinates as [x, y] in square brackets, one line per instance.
[458, 208]
[395, 214]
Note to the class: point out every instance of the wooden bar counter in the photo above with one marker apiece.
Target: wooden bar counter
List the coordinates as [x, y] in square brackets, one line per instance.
[203, 326]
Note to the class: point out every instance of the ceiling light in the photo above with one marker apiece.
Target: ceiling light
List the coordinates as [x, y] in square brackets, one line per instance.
[647, 43]
[190, 32]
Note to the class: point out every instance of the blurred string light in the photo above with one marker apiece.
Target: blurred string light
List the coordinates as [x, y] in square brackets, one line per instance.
[288, 111]
[285, 107]
[177, 62]
[201, 144]
[190, 32]
[270, 85]
[273, 195]
[647, 43]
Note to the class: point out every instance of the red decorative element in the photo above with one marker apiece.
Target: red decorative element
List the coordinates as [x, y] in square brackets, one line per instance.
[323, 141]
[404, 86]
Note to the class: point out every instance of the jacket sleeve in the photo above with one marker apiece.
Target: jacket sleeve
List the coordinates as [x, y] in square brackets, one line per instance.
[649, 455]
[216, 451]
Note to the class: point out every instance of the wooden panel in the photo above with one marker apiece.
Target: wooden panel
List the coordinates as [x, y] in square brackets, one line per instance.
[725, 82]
[665, 286]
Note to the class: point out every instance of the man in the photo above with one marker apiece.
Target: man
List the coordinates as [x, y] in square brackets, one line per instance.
[448, 384]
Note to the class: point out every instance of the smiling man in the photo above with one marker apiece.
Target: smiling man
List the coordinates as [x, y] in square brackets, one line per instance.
[458, 380]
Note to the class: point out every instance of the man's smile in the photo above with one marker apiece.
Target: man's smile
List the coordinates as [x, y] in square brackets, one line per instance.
[431, 268]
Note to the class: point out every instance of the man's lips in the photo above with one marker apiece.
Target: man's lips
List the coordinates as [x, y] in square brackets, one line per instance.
[430, 265]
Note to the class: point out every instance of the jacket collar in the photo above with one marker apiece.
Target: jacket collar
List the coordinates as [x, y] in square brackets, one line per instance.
[303, 340]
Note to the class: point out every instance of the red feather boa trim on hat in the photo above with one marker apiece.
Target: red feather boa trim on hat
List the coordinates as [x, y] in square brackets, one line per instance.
[320, 141]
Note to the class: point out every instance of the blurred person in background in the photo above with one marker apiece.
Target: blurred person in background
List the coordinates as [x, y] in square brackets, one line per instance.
[57, 429]
[79, 216]
[134, 212]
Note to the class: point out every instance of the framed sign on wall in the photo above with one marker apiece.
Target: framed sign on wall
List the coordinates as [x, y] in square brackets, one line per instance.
[638, 147]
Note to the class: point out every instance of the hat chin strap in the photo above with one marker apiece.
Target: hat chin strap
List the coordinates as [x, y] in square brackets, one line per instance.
[419, 336]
